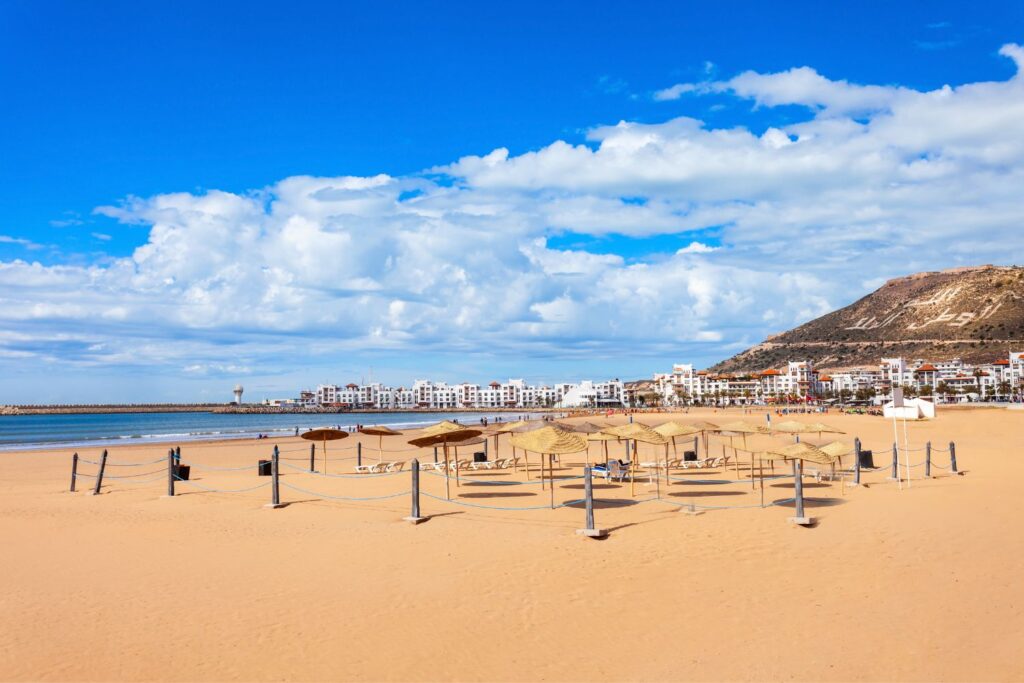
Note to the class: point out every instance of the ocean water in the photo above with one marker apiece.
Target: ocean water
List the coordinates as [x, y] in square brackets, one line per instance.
[22, 432]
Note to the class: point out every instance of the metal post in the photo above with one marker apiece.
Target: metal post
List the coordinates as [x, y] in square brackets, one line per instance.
[588, 492]
[551, 482]
[359, 453]
[486, 451]
[435, 455]
[312, 457]
[177, 455]
[588, 489]
[74, 470]
[170, 473]
[895, 457]
[928, 459]
[696, 451]
[952, 457]
[99, 477]
[798, 485]
[856, 463]
[275, 490]
[415, 517]
[631, 418]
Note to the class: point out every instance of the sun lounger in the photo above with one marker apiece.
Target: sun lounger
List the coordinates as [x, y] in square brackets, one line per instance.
[396, 466]
[375, 468]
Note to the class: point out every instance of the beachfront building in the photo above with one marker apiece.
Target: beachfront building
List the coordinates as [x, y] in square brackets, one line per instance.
[949, 380]
[427, 394]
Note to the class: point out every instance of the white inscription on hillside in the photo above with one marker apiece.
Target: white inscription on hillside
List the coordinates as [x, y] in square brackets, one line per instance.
[949, 316]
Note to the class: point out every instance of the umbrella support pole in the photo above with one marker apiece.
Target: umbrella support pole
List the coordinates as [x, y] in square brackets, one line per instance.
[798, 488]
[447, 474]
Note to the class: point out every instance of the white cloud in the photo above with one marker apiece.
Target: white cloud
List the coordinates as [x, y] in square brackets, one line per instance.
[697, 248]
[20, 241]
[876, 181]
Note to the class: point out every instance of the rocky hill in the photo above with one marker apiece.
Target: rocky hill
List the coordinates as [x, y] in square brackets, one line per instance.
[973, 313]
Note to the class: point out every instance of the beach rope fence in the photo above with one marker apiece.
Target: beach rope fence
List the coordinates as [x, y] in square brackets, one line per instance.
[307, 481]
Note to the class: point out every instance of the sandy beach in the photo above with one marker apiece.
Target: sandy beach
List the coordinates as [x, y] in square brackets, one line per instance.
[921, 584]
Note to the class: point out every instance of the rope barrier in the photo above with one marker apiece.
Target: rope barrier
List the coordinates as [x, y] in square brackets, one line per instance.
[495, 507]
[504, 482]
[366, 475]
[721, 507]
[207, 488]
[218, 469]
[132, 476]
[161, 477]
[324, 495]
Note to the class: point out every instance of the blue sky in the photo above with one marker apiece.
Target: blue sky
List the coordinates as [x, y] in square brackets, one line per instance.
[118, 115]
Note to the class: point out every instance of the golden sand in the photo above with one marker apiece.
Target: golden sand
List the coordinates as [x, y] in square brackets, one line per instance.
[921, 584]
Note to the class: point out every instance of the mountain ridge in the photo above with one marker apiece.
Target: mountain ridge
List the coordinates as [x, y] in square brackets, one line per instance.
[973, 312]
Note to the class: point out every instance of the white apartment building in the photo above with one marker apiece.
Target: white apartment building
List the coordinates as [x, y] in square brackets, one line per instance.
[426, 394]
[1002, 378]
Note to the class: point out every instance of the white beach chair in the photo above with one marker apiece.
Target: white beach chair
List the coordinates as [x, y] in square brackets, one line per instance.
[396, 466]
[375, 468]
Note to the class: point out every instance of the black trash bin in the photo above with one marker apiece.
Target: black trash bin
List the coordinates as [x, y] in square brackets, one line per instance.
[479, 456]
[866, 459]
[265, 468]
[690, 456]
[181, 471]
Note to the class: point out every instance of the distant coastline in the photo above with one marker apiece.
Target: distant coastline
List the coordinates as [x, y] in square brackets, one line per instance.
[221, 408]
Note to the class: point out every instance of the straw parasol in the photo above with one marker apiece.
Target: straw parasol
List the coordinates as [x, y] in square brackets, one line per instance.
[637, 431]
[798, 451]
[793, 427]
[444, 432]
[821, 427]
[511, 428]
[549, 441]
[671, 430]
[743, 428]
[380, 431]
[323, 435]
[705, 428]
[589, 429]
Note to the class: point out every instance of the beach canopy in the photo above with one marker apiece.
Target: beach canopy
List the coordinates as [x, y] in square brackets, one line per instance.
[798, 451]
[837, 449]
[638, 431]
[673, 429]
[793, 427]
[549, 441]
[444, 432]
[822, 427]
[705, 426]
[324, 434]
[517, 426]
[744, 427]
[582, 428]
[379, 430]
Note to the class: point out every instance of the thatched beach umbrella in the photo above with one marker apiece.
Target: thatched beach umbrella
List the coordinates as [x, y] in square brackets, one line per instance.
[602, 437]
[671, 430]
[549, 441]
[444, 432]
[586, 428]
[511, 428]
[323, 435]
[380, 431]
[705, 429]
[821, 427]
[798, 453]
[636, 431]
[743, 428]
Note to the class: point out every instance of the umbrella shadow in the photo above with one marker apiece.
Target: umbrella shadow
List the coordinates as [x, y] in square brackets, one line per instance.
[704, 494]
[807, 485]
[809, 502]
[603, 504]
[594, 486]
[510, 494]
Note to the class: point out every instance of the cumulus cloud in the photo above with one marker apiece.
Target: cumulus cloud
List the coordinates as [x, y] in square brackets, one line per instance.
[875, 181]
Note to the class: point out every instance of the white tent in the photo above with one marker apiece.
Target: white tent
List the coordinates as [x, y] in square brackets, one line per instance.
[913, 409]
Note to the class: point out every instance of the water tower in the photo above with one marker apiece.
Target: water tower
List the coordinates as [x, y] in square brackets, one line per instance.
[238, 394]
